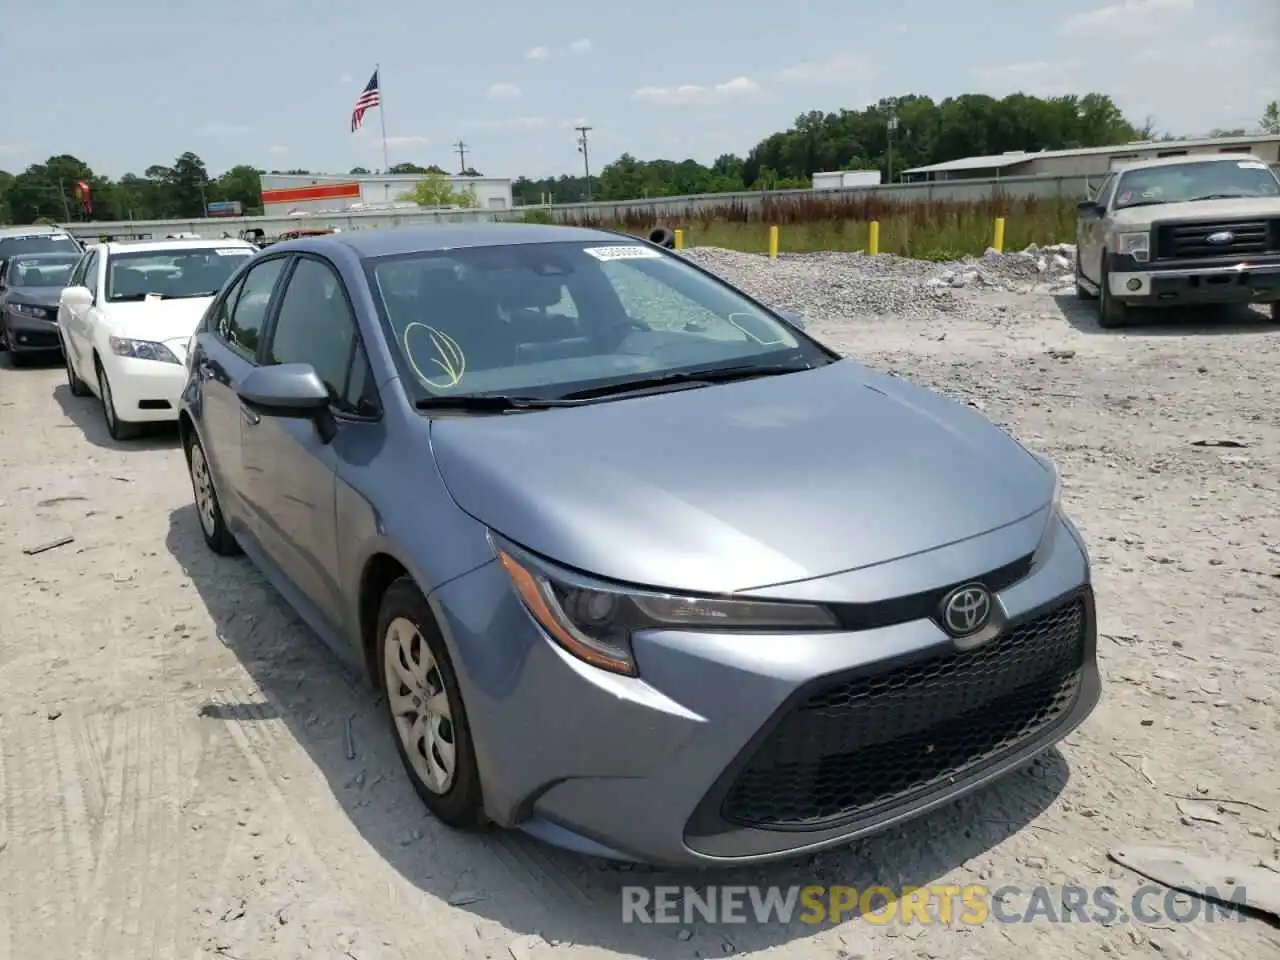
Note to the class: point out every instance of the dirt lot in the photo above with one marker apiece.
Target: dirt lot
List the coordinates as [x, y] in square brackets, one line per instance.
[174, 769]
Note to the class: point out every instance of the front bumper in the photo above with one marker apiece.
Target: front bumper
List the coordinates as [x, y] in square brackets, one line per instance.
[708, 757]
[30, 334]
[1188, 283]
[145, 391]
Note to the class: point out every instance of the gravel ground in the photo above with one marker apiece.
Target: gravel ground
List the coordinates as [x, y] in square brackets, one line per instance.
[184, 771]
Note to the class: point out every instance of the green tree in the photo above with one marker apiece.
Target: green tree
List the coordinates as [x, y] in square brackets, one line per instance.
[1270, 120]
[436, 190]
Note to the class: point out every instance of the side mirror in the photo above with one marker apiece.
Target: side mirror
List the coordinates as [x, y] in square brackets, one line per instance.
[290, 390]
[75, 296]
[1090, 208]
[793, 318]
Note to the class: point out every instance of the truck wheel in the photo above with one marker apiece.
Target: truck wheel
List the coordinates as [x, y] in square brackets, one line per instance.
[1275, 312]
[1111, 312]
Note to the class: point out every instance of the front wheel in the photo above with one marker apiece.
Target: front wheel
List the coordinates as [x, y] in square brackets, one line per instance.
[1275, 312]
[212, 525]
[425, 708]
[1112, 313]
[117, 428]
[1082, 292]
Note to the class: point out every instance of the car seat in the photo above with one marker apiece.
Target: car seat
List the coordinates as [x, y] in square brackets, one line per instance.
[461, 311]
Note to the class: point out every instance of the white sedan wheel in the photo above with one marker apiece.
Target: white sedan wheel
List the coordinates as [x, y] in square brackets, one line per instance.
[420, 705]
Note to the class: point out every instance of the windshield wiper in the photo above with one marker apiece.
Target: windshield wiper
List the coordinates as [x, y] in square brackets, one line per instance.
[1142, 203]
[495, 402]
[690, 377]
[1218, 196]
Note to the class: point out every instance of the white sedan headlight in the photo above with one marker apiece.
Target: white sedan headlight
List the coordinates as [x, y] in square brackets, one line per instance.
[142, 350]
[594, 622]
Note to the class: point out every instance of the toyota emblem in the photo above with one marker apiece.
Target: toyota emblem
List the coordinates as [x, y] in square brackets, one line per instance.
[966, 609]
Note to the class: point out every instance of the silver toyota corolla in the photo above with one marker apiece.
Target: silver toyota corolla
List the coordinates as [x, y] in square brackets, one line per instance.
[642, 568]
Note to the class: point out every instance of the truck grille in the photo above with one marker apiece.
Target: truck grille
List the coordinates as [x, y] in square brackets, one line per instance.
[1189, 241]
[862, 744]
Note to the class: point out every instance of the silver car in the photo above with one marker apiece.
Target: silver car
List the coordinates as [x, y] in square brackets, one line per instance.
[642, 568]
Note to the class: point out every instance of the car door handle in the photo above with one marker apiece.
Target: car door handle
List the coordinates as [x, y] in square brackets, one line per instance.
[249, 417]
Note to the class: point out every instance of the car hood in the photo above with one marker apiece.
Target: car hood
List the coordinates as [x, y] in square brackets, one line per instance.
[160, 321]
[1206, 210]
[36, 296]
[741, 485]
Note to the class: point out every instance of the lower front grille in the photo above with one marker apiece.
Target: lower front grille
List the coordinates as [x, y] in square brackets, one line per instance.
[1189, 241]
[862, 744]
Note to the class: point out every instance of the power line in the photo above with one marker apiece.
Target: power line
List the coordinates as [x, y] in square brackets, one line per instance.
[462, 157]
[586, 160]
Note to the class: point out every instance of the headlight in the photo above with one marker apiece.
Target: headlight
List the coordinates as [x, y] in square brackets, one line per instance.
[1136, 245]
[28, 310]
[1055, 503]
[142, 350]
[595, 621]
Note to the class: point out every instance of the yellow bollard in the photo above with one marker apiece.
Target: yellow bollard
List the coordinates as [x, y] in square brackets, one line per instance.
[998, 240]
[773, 242]
[873, 238]
[679, 239]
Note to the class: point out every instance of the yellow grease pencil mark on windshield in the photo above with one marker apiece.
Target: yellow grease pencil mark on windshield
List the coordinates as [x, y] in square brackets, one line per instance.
[449, 357]
[750, 334]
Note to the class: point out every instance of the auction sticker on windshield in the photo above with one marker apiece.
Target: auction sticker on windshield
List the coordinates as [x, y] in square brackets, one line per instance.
[1251, 165]
[231, 252]
[631, 252]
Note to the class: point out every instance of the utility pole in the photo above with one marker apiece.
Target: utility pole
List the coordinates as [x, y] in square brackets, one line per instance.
[586, 160]
[462, 157]
[893, 126]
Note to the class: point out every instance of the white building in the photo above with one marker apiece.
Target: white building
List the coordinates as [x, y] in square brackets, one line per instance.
[287, 194]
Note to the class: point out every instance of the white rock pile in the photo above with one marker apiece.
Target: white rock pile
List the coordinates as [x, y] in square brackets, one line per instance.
[832, 285]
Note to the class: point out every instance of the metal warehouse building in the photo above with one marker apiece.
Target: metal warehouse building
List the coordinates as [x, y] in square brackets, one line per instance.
[1091, 161]
[289, 194]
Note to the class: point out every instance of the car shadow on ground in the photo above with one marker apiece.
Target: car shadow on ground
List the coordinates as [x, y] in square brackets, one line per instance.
[1169, 321]
[505, 876]
[86, 414]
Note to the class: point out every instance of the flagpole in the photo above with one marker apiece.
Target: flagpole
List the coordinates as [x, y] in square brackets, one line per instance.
[382, 119]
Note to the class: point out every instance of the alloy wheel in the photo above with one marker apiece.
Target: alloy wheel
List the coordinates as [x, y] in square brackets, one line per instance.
[202, 484]
[420, 705]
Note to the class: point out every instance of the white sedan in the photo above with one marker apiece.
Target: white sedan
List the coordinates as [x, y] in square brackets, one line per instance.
[125, 318]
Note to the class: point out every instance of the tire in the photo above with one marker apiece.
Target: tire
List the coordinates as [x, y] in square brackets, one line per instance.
[662, 237]
[4, 336]
[1275, 312]
[1111, 312]
[209, 511]
[18, 360]
[77, 386]
[117, 428]
[407, 633]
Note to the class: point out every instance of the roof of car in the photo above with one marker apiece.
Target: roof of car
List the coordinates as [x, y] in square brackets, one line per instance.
[1191, 158]
[31, 230]
[449, 236]
[176, 245]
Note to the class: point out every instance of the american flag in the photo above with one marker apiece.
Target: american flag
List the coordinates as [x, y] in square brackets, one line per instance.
[368, 98]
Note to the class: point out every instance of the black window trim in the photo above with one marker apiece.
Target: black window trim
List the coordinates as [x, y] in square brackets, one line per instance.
[357, 341]
[239, 284]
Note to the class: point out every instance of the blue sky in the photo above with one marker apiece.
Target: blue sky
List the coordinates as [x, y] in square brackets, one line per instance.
[273, 83]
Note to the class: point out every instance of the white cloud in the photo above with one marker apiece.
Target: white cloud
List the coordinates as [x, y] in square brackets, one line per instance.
[580, 46]
[575, 122]
[538, 53]
[505, 123]
[504, 91]
[411, 141]
[345, 78]
[900, 28]
[222, 130]
[691, 94]
[842, 68]
[1041, 78]
[277, 150]
[1128, 18]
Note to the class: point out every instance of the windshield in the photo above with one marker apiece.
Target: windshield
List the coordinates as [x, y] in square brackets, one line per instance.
[49, 270]
[38, 243]
[1179, 182]
[552, 318]
[172, 274]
